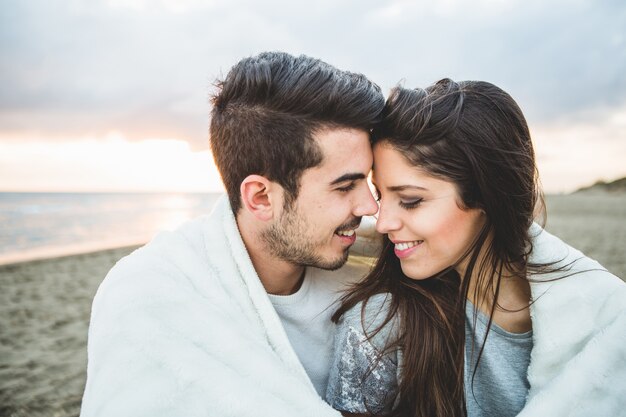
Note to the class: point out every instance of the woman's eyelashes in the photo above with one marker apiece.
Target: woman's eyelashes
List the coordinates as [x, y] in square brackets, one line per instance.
[411, 203]
[405, 203]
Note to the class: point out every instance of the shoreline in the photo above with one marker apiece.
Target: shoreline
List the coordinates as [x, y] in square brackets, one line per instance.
[555, 209]
[594, 223]
[62, 253]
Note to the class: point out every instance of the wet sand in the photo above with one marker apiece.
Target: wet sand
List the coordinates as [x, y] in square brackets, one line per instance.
[45, 305]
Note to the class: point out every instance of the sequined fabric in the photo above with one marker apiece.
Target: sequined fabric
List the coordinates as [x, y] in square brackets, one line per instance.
[361, 379]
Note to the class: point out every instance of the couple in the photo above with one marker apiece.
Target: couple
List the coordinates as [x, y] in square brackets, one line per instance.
[258, 310]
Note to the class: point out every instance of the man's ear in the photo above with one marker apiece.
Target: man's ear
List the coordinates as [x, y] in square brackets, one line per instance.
[260, 196]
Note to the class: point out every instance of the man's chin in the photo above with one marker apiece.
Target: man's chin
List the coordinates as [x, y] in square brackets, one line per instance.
[332, 264]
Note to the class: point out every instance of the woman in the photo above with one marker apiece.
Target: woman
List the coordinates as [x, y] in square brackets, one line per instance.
[472, 309]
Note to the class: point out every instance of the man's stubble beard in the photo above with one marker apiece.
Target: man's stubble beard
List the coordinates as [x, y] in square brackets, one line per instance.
[289, 240]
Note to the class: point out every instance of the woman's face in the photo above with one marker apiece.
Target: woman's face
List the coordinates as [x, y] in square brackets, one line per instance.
[421, 216]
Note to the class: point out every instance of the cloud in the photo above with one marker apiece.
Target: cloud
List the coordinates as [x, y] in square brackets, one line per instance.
[74, 68]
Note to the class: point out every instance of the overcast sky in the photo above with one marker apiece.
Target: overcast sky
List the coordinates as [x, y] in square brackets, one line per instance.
[139, 70]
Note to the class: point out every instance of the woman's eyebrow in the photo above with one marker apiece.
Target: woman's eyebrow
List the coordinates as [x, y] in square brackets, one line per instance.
[406, 187]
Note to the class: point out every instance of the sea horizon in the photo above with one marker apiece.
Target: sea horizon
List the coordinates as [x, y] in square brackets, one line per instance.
[40, 225]
[49, 224]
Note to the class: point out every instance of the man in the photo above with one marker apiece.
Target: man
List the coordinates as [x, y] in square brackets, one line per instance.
[229, 315]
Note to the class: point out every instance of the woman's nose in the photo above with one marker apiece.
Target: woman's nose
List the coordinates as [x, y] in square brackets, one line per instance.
[387, 220]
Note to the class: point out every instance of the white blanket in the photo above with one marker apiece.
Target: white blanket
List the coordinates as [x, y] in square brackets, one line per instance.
[578, 361]
[184, 327]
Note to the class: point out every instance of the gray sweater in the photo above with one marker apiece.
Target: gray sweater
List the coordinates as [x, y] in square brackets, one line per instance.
[363, 380]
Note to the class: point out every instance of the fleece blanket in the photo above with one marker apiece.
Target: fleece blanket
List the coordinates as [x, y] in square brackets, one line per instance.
[184, 327]
[578, 362]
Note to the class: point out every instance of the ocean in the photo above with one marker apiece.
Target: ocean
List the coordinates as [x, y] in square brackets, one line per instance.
[43, 225]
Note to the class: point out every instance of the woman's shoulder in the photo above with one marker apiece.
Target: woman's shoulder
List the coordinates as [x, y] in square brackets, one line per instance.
[372, 311]
[364, 374]
[369, 319]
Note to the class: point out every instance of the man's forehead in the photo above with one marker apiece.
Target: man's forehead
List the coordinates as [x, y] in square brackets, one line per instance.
[330, 137]
[347, 155]
[337, 144]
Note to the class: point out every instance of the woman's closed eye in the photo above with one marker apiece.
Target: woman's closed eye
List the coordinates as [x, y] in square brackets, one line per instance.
[409, 204]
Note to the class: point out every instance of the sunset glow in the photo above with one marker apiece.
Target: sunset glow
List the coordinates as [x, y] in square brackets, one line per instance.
[569, 157]
[574, 155]
[107, 164]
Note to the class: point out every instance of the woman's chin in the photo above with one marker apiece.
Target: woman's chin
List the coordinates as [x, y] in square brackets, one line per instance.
[420, 274]
[415, 273]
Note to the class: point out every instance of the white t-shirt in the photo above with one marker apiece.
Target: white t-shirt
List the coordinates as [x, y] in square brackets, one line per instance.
[306, 316]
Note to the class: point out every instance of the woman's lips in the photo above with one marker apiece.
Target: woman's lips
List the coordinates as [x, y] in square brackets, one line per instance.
[404, 249]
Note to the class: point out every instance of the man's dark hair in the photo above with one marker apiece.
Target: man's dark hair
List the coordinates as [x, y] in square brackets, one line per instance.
[267, 110]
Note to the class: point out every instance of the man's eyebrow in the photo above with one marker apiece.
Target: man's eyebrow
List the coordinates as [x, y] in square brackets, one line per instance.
[348, 177]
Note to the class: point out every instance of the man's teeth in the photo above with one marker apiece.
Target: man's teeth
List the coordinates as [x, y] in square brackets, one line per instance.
[347, 233]
[407, 245]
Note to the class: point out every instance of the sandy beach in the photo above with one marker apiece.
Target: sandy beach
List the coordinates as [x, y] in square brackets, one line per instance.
[45, 306]
[44, 315]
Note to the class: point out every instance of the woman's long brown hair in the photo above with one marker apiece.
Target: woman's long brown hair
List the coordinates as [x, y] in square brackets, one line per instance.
[474, 135]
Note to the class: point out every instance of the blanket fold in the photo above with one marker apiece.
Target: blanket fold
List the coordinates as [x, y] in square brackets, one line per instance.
[578, 361]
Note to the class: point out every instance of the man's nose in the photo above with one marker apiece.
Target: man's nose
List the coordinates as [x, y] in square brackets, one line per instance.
[367, 205]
